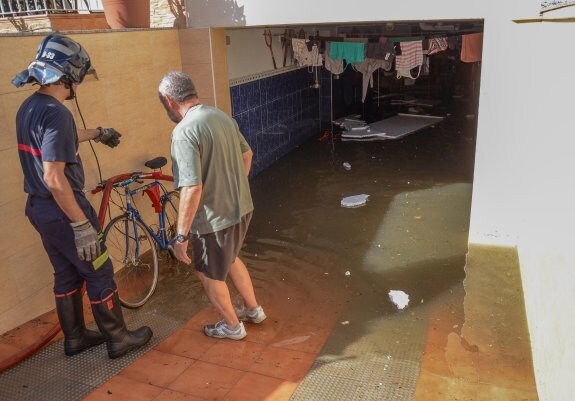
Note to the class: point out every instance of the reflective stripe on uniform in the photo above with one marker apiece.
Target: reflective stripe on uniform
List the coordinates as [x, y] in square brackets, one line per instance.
[99, 261]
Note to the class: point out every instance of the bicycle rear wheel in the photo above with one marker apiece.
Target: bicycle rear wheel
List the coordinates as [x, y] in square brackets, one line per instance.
[135, 260]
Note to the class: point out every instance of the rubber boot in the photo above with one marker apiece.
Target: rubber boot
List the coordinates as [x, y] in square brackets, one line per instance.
[110, 320]
[71, 315]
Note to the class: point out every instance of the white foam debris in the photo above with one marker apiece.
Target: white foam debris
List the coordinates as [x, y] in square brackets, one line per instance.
[399, 298]
[345, 323]
[348, 273]
[347, 166]
[354, 201]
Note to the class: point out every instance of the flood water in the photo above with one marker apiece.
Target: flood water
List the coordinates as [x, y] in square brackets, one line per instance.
[411, 236]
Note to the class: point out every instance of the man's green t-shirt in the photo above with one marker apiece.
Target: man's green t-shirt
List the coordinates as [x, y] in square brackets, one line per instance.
[207, 149]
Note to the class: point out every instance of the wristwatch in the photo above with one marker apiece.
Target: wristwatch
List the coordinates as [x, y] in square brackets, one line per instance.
[181, 238]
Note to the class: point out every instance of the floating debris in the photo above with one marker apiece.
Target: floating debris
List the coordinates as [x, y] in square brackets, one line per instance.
[399, 298]
[348, 273]
[347, 166]
[345, 323]
[354, 201]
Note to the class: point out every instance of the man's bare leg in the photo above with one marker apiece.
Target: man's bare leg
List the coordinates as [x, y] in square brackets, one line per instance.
[219, 295]
[243, 283]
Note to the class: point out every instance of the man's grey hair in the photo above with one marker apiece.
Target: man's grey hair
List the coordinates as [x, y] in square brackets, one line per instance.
[177, 86]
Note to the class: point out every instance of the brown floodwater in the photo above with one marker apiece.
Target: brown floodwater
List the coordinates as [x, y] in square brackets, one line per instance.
[463, 335]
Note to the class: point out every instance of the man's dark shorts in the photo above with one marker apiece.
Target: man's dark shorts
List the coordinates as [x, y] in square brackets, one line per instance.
[214, 253]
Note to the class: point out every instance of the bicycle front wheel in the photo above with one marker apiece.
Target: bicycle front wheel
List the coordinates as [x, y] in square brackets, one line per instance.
[170, 205]
[135, 260]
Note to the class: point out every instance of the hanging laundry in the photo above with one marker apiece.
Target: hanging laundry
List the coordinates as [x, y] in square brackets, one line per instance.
[380, 51]
[352, 52]
[437, 45]
[471, 47]
[454, 42]
[425, 69]
[303, 56]
[411, 57]
[333, 66]
[367, 68]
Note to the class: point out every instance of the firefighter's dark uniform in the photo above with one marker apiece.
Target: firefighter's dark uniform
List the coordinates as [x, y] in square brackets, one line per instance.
[46, 131]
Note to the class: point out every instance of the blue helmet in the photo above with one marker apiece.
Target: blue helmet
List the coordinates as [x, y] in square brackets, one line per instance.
[58, 57]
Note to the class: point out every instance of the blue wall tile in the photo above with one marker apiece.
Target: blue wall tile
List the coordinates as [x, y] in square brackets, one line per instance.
[276, 114]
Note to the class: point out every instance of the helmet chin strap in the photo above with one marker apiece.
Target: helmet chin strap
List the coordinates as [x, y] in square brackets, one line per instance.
[68, 85]
[72, 94]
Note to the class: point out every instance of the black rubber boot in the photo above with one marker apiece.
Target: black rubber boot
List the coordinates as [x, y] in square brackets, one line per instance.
[71, 315]
[110, 320]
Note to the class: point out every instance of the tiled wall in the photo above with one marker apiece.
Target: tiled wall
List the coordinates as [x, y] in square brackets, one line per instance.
[276, 114]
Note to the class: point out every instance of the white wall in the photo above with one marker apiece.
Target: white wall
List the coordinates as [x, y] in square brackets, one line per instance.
[248, 53]
[524, 163]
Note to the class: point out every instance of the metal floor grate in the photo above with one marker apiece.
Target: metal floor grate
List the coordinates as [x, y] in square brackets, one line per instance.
[50, 375]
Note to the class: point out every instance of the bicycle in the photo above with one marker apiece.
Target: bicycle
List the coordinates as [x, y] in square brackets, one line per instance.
[132, 244]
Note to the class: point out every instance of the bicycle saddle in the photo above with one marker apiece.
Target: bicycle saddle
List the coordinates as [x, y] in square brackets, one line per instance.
[158, 162]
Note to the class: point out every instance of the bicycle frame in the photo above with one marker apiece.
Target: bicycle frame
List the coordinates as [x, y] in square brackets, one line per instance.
[132, 212]
[107, 188]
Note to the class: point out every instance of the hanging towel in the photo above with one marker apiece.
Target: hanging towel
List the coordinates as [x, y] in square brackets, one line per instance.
[367, 68]
[437, 45]
[303, 56]
[352, 52]
[335, 67]
[411, 57]
[472, 47]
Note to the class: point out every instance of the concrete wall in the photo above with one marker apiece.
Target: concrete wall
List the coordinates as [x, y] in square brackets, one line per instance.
[522, 192]
[129, 66]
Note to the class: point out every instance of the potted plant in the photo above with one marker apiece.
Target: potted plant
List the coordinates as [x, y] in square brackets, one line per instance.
[122, 14]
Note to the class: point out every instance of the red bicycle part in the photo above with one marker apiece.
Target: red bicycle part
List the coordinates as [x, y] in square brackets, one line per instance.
[107, 189]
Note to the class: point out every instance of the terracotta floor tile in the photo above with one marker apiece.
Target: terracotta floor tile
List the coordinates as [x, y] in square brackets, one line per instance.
[123, 389]
[207, 315]
[265, 332]
[283, 363]
[157, 368]
[169, 395]
[187, 343]
[306, 340]
[233, 354]
[207, 380]
[254, 387]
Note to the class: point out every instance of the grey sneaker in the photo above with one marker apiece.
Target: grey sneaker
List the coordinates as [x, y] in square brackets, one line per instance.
[255, 315]
[222, 330]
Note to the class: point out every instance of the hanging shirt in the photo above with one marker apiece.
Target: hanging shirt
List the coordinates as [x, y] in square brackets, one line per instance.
[411, 57]
[352, 52]
[471, 47]
[303, 56]
[367, 68]
[380, 51]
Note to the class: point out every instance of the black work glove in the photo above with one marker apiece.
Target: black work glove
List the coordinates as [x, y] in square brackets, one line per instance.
[108, 136]
[86, 239]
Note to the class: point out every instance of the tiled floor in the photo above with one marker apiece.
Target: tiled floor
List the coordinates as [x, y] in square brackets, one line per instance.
[266, 365]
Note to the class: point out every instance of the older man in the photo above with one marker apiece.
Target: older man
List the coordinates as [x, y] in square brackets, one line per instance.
[211, 161]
